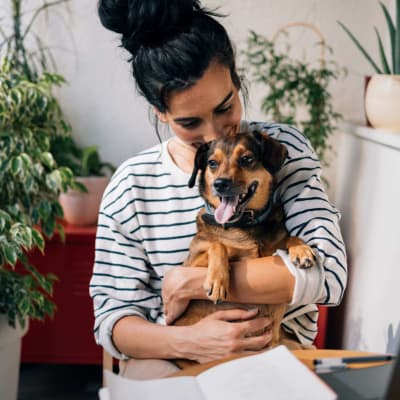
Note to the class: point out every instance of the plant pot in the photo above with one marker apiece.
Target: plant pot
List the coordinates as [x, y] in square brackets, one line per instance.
[83, 208]
[382, 102]
[10, 351]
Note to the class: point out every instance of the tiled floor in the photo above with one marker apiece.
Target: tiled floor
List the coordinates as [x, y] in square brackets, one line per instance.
[59, 382]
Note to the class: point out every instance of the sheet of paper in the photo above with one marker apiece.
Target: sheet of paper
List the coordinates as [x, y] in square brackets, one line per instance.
[275, 374]
[180, 388]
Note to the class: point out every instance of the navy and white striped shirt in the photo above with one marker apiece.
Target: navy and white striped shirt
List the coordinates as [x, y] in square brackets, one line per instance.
[148, 218]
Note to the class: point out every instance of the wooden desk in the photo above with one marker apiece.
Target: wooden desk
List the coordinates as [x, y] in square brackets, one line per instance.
[305, 356]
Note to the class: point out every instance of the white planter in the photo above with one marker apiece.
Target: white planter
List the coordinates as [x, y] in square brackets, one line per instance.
[382, 102]
[10, 351]
[83, 208]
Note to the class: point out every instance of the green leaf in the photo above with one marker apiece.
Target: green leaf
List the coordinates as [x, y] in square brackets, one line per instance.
[392, 34]
[16, 166]
[61, 232]
[47, 159]
[54, 181]
[361, 48]
[397, 41]
[386, 68]
[9, 253]
[38, 239]
[48, 227]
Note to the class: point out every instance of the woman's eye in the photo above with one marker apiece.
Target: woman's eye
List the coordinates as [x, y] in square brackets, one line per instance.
[223, 110]
[212, 164]
[190, 125]
[246, 160]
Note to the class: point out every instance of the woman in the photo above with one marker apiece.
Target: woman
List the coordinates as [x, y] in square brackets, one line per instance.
[183, 63]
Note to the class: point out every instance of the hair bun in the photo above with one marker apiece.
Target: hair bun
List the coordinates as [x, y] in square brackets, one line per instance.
[147, 22]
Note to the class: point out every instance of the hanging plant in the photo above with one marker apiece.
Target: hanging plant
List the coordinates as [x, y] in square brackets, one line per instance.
[291, 85]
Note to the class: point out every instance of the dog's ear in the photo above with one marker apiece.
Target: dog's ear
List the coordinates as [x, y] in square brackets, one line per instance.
[200, 162]
[274, 153]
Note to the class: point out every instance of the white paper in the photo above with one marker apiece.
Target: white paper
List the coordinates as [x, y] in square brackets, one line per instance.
[179, 388]
[275, 374]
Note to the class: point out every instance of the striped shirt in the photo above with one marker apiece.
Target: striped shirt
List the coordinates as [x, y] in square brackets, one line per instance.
[148, 218]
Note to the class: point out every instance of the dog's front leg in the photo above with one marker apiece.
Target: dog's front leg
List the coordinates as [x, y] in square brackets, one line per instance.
[217, 280]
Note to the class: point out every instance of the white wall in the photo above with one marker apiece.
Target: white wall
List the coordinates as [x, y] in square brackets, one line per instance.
[367, 195]
[101, 102]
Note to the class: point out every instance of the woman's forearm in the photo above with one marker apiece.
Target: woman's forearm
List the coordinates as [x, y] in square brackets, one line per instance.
[264, 280]
[259, 281]
[139, 338]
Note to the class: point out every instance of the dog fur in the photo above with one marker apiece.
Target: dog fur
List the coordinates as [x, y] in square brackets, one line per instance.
[237, 175]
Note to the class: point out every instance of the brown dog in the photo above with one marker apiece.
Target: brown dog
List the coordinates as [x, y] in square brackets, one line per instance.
[239, 219]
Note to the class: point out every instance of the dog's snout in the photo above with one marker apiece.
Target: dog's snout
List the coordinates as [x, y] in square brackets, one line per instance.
[222, 185]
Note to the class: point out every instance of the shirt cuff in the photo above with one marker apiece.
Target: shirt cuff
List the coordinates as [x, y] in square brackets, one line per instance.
[309, 282]
[105, 332]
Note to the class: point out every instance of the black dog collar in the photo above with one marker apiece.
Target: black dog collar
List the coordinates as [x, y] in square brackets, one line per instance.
[247, 219]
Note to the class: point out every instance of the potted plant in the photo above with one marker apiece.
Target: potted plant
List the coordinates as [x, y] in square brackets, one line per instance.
[382, 96]
[30, 182]
[81, 205]
[292, 85]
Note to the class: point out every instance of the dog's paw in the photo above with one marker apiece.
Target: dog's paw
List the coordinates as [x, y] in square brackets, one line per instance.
[216, 286]
[302, 256]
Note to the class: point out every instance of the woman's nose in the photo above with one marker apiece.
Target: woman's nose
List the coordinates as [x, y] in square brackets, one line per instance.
[214, 131]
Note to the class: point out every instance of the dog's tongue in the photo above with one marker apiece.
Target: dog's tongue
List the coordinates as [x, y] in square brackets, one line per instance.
[226, 209]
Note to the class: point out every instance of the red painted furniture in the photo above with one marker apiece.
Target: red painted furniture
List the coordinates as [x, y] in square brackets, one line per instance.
[68, 337]
[320, 340]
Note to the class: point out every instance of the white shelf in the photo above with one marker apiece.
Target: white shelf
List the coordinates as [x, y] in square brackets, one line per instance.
[384, 138]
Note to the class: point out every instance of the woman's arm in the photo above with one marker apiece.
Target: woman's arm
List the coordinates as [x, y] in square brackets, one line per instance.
[219, 335]
[265, 280]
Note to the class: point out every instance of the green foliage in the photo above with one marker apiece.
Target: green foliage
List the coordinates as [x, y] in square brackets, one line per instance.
[29, 62]
[394, 33]
[30, 183]
[82, 162]
[292, 84]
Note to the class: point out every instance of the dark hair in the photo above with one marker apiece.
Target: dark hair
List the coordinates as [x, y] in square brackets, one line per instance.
[172, 43]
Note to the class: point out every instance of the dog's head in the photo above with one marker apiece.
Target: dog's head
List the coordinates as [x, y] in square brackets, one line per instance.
[237, 173]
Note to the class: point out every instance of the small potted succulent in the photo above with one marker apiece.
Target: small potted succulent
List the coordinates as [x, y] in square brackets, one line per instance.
[81, 205]
[382, 96]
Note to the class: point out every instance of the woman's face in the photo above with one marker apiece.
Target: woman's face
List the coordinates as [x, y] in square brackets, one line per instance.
[209, 109]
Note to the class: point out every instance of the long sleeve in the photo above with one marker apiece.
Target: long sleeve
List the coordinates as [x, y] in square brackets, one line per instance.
[120, 284]
[146, 222]
[310, 216]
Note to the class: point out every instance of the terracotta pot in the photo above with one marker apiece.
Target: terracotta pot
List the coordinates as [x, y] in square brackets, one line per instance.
[83, 208]
[382, 102]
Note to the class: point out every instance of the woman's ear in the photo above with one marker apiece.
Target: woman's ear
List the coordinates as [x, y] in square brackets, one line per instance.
[162, 116]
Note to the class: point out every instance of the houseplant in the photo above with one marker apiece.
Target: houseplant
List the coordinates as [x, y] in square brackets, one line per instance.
[291, 84]
[30, 181]
[382, 96]
[81, 207]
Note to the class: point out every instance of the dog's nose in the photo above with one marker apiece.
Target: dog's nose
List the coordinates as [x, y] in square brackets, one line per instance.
[222, 185]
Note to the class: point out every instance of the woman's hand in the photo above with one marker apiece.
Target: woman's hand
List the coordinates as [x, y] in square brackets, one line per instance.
[180, 285]
[226, 333]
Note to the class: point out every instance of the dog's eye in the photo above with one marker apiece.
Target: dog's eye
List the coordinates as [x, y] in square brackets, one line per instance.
[212, 164]
[246, 160]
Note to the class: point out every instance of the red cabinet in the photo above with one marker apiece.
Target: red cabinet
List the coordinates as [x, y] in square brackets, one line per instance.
[68, 337]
